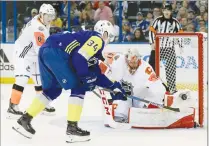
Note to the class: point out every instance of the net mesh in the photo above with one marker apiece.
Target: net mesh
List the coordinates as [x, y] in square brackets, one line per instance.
[179, 63]
[182, 65]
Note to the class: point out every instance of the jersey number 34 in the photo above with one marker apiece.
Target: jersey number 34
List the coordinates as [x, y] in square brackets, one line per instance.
[93, 44]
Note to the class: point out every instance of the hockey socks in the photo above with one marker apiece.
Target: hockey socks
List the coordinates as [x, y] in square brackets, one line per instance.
[75, 106]
[39, 103]
[17, 92]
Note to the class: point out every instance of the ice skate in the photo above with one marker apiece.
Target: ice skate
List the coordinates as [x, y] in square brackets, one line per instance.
[23, 126]
[13, 111]
[120, 119]
[76, 134]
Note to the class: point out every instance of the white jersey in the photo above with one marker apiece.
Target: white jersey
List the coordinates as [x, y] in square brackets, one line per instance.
[30, 40]
[146, 85]
[141, 79]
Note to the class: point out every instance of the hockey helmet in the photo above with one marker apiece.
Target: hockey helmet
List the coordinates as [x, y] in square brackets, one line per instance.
[130, 53]
[47, 12]
[103, 26]
[47, 9]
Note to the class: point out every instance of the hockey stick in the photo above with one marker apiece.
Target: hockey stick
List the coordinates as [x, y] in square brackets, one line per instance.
[108, 113]
[147, 101]
[156, 104]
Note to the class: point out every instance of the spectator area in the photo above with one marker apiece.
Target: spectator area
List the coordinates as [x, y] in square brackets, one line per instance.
[137, 16]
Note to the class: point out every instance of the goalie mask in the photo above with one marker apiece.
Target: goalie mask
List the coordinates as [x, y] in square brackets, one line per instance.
[133, 59]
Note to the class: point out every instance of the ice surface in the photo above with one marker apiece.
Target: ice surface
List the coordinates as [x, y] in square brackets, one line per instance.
[50, 130]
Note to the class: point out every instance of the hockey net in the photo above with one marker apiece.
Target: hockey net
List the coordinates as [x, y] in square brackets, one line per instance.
[191, 63]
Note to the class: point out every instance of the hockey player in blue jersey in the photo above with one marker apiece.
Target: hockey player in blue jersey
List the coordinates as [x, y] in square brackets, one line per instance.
[70, 61]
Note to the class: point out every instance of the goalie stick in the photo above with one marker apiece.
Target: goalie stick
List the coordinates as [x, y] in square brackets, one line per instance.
[108, 112]
[147, 101]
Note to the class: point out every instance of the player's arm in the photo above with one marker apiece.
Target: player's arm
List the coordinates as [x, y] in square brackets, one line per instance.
[105, 82]
[178, 27]
[80, 59]
[152, 31]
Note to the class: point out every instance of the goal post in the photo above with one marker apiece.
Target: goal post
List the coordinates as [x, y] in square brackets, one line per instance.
[189, 43]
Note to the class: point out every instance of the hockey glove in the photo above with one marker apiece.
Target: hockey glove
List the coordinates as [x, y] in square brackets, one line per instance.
[119, 93]
[118, 96]
[89, 82]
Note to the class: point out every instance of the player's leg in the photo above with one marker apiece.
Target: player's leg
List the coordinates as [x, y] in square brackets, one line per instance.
[152, 59]
[49, 110]
[169, 55]
[22, 73]
[55, 75]
[75, 106]
[23, 125]
[51, 90]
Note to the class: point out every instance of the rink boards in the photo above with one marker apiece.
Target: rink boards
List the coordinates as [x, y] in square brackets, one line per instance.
[187, 63]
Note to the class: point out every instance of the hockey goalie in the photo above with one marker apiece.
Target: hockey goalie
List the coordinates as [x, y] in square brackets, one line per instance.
[139, 79]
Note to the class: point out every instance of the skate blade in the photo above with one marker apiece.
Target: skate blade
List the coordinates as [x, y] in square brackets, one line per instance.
[74, 138]
[19, 129]
[12, 116]
[45, 113]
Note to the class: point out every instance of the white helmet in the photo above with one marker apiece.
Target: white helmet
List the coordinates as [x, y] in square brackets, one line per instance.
[131, 53]
[132, 59]
[47, 9]
[103, 26]
[47, 12]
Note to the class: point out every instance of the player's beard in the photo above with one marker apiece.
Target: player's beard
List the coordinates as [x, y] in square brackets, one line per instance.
[132, 66]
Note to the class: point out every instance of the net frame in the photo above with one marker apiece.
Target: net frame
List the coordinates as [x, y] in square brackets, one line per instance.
[200, 67]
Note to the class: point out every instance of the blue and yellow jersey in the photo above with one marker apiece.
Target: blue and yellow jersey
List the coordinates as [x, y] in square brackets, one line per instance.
[78, 47]
[87, 43]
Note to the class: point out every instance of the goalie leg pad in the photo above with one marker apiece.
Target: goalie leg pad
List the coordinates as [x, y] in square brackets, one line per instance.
[122, 108]
[160, 119]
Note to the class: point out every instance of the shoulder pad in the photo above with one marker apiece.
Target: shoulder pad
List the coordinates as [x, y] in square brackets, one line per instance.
[41, 28]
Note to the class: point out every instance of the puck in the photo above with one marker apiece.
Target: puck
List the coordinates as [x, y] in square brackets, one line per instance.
[183, 96]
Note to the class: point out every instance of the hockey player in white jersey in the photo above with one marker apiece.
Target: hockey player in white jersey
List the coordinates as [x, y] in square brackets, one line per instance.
[139, 79]
[26, 49]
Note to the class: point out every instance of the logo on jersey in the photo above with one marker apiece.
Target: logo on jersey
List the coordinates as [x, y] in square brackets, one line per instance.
[128, 87]
[40, 28]
[28, 68]
[40, 38]
[4, 62]
[92, 61]
[64, 81]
